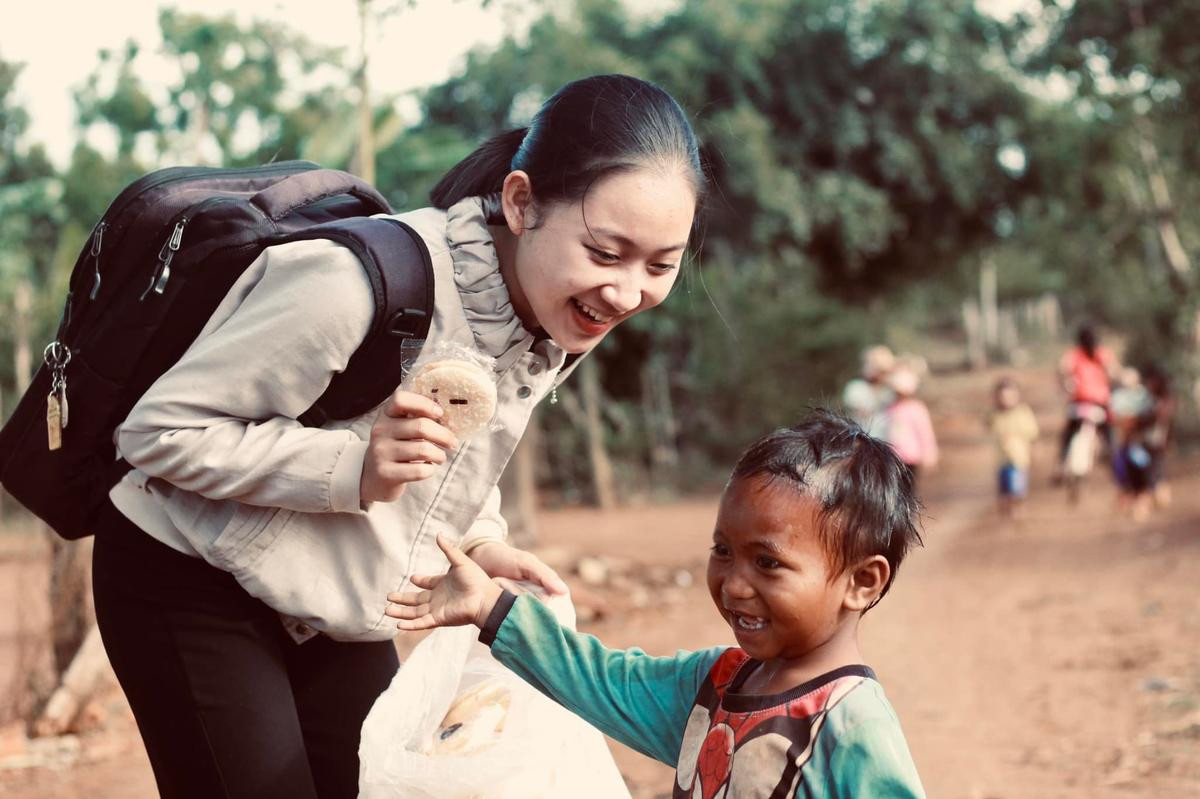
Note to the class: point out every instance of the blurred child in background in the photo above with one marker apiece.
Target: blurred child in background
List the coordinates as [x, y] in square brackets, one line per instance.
[1130, 401]
[909, 428]
[1158, 424]
[1085, 371]
[1143, 415]
[867, 397]
[1014, 429]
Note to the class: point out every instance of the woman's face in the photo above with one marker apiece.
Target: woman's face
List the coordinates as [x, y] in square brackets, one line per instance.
[586, 266]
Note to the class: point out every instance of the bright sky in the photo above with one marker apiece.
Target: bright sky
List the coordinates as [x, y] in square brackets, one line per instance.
[58, 42]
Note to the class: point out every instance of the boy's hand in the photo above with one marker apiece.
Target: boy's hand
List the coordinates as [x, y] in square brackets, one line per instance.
[463, 595]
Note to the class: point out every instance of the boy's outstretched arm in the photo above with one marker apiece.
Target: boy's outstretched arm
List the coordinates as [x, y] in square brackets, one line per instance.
[640, 700]
[463, 595]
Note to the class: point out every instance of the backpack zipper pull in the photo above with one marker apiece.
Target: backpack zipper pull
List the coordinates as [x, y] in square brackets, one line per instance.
[56, 356]
[158, 281]
[97, 241]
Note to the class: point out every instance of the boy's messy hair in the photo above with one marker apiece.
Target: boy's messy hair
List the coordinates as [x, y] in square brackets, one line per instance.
[868, 502]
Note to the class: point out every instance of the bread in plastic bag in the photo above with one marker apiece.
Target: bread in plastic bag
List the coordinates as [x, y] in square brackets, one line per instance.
[456, 724]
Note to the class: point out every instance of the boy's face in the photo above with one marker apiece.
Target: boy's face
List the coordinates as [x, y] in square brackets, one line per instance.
[1008, 397]
[768, 573]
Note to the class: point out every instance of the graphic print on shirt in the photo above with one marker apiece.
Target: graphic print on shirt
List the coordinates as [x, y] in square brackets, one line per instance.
[755, 752]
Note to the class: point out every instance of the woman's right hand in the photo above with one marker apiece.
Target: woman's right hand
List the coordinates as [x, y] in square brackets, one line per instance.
[407, 444]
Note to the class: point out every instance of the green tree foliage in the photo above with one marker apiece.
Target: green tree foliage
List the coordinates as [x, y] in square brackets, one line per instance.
[1124, 163]
[853, 149]
[865, 157]
[30, 211]
[244, 94]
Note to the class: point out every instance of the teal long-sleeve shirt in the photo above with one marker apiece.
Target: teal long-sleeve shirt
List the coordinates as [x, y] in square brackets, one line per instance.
[834, 736]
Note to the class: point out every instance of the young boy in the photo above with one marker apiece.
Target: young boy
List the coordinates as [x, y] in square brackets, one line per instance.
[1014, 430]
[812, 526]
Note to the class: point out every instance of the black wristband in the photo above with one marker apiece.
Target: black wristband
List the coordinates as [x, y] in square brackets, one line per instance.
[499, 613]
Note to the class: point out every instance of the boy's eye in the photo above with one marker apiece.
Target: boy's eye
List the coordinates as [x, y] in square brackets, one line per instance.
[767, 563]
[663, 268]
[603, 255]
[720, 550]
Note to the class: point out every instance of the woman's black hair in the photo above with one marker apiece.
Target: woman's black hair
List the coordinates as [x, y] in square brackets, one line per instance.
[867, 497]
[588, 129]
[1157, 380]
[1086, 339]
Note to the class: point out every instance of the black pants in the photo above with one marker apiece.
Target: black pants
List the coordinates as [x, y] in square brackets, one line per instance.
[227, 703]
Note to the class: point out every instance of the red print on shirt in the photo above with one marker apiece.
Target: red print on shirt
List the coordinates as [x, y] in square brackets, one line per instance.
[733, 741]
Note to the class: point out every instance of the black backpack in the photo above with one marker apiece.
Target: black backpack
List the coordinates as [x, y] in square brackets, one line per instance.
[158, 263]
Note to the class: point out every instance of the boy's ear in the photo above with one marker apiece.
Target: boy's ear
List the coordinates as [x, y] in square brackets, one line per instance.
[516, 199]
[867, 580]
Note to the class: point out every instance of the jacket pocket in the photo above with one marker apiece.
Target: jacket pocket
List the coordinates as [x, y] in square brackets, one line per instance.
[249, 533]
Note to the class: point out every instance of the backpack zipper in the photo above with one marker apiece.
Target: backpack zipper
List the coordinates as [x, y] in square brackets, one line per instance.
[158, 281]
[172, 175]
[97, 241]
[162, 274]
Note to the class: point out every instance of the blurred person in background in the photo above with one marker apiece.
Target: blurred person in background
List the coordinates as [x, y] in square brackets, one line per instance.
[867, 397]
[1154, 433]
[1143, 409]
[1130, 401]
[908, 425]
[1014, 429]
[1085, 372]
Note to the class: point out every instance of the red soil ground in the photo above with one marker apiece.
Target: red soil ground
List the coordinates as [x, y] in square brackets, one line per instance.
[1057, 657]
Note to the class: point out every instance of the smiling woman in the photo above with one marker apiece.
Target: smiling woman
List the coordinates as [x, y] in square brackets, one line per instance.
[591, 206]
[572, 274]
[242, 569]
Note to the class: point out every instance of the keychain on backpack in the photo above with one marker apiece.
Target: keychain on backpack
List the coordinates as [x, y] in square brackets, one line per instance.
[56, 358]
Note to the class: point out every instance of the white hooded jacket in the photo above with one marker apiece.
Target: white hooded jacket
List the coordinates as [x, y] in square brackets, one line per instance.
[223, 471]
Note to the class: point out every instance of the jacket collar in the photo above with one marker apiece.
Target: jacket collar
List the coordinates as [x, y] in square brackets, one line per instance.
[493, 321]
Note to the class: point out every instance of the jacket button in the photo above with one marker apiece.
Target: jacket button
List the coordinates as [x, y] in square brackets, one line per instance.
[535, 368]
[524, 391]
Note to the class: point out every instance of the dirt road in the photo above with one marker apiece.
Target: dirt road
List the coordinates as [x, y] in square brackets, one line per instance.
[1057, 657]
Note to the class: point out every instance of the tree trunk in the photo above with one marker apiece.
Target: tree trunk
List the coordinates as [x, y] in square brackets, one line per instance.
[22, 355]
[72, 611]
[366, 122]
[602, 473]
[659, 415]
[1164, 211]
[518, 489]
[88, 671]
[973, 328]
[989, 314]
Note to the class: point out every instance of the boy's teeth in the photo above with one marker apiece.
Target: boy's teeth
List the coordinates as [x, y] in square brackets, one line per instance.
[750, 622]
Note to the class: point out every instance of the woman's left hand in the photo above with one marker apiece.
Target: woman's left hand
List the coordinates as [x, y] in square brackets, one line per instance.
[499, 559]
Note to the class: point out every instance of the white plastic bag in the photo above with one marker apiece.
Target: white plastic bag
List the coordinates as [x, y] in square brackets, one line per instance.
[455, 724]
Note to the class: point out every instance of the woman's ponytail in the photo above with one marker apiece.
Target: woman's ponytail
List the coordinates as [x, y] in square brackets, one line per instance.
[480, 173]
[587, 129]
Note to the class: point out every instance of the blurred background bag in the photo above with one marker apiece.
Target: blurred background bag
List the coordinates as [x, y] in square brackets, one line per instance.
[456, 724]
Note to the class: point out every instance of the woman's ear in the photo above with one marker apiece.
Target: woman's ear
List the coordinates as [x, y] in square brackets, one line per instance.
[867, 581]
[516, 199]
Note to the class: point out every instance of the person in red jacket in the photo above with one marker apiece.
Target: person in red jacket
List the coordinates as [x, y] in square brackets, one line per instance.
[1085, 374]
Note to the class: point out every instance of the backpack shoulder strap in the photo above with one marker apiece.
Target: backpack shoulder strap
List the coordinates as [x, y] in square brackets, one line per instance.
[400, 270]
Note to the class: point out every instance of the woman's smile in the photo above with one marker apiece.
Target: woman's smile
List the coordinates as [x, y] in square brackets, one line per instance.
[590, 320]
